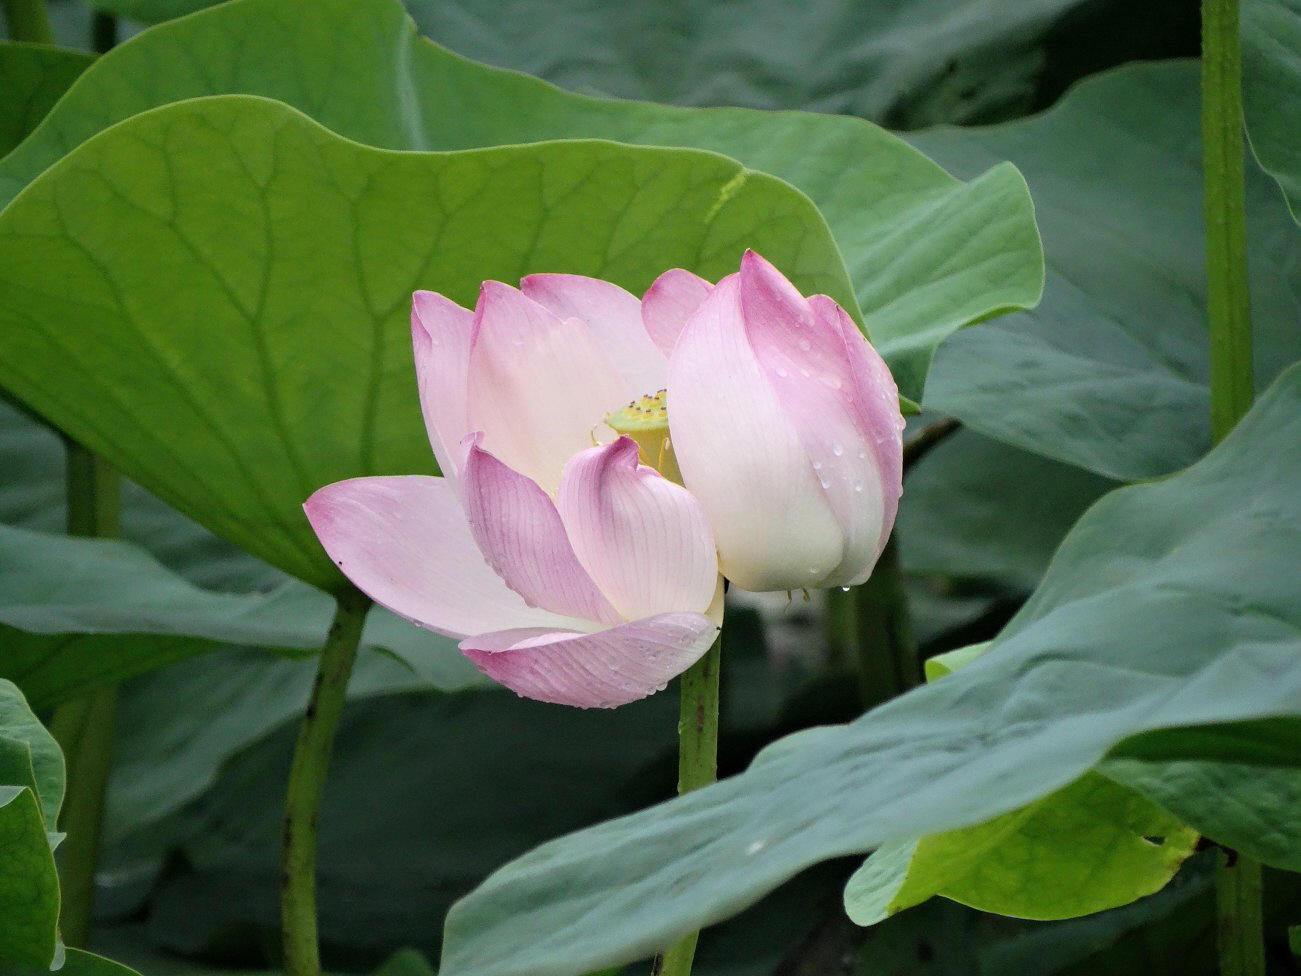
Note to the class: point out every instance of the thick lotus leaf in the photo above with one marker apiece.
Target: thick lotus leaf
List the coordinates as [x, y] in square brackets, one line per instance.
[33, 76]
[974, 508]
[1110, 371]
[1271, 90]
[31, 791]
[224, 286]
[927, 253]
[1170, 605]
[1089, 846]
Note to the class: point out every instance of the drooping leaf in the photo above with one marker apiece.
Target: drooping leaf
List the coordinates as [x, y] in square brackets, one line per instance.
[1170, 605]
[79, 614]
[1109, 373]
[33, 76]
[1271, 88]
[1088, 847]
[927, 254]
[229, 320]
[31, 791]
[1248, 807]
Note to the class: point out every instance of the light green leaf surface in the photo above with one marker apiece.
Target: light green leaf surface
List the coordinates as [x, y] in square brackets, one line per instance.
[1109, 373]
[31, 791]
[79, 614]
[32, 77]
[224, 286]
[1271, 90]
[927, 254]
[1170, 605]
[1088, 847]
[1250, 808]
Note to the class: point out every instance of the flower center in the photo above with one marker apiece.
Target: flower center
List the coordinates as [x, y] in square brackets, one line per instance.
[646, 421]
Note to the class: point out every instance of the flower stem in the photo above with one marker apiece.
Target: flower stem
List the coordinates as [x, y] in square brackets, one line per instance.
[697, 767]
[888, 664]
[28, 21]
[1227, 302]
[84, 727]
[307, 784]
[1241, 939]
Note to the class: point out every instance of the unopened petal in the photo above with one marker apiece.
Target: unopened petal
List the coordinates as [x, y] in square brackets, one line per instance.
[614, 318]
[644, 540]
[404, 541]
[801, 347]
[598, 670]
[440, 339]
[538, 385]
[520, 534]
[669, 302]
[743, 459]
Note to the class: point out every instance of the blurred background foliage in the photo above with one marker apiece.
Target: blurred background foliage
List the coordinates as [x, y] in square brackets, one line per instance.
[430, 789]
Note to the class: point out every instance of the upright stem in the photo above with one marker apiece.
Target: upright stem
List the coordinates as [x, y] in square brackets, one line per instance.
[1227, 301]
[1241, 938]
[28, 21]
[697, 767]
[307, 784]
[103, 32]
[1238, 910]
[888, 664]
[84, 726]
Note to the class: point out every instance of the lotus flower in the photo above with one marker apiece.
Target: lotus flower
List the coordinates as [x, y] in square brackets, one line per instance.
[561, 545]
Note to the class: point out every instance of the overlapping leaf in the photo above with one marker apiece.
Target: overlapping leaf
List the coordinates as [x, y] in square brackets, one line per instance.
[224, 287]
[33, 76]
[926, 253]
[1170, 605]
[1271, 89]
[1110, 371]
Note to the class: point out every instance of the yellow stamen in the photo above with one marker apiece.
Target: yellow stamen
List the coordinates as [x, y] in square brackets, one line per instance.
[646, 421]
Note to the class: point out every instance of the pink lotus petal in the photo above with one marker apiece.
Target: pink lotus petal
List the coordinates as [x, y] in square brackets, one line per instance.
[802, 351]
[643, 539]
[520, 534]
[539, 385]
[615, 320]
[876, 399]
[669, 302]
[404, 541]
[600, 670]
[743, 459]
[440, 339]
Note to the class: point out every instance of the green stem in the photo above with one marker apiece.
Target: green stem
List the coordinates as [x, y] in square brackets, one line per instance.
[307, 784]
[697, 767]
[1238, 910]
[28, 21]
[888, 664]
[1227, 302]
[1241, 930]
[103, 32]
[84, 727]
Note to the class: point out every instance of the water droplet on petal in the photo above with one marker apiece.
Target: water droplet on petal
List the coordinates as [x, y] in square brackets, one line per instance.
[813, 571]
[805, 344]
[817, 465]
[781, 371]
[862, 455]
[844, 589]
[837, 450]
[805, 373]
[825, 483]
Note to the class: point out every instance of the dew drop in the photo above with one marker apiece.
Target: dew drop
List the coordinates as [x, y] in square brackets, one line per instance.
[825, 483]
[781, 371]
[813, 571]
[858, 486]
[805, 373]
[837, 450]
[832, 381]
[844, 589]
[817, 465]
[862, 455]
[805, 344]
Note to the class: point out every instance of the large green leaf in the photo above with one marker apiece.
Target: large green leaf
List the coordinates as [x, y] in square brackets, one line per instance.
[926, 253]
[1271, 90]
[1087, 847]
[33, 76]
[78, 614]
[1170, 605]
[31, 791]
[224, 287]
[1110, 371]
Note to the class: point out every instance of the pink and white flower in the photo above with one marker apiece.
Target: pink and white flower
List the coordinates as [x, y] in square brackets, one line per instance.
[571, 568]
